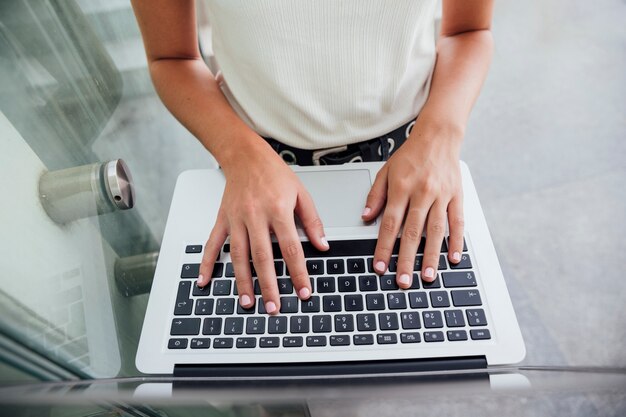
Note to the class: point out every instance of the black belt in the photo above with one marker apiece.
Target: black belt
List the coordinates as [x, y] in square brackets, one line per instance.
[377, 149]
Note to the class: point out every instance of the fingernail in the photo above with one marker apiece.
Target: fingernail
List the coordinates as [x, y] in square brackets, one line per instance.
[324, 241]
[270, 307]
[304, 293]
[366, 211]
[245, 300]
[380, 266]
[199, 280]
[456, 257]
[404, 279]
[429, 272]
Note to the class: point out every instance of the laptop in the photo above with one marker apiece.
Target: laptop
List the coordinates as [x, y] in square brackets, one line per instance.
[355, 323]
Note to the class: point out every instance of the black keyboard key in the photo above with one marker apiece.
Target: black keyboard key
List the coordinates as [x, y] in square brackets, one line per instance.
[430, 285]
[204, 307]
[322, 323]
[353, 302]
[218, 270]
[396, 300]
[432, 319]
[388, 321]
[256, 325]
[411, 337]
[288, 304]
[476, 317]
[459, 279]
[439, 299]
[346, 284]
[193, 249]
[356, 266]
[340, 340]
[185, 327]
[335, 266]
[370, 265]
[417, 264]
[444, 247]
[246, 342]
[315, 266]
[292, 341]
[230, 270]
[233, 325]
[279, 268]
[257, 287]
[393, 264]
[339, 248]
[325, 285]
[177, 344]
[226, 248]
[387, 339]
[418, 299]
[241, 310]
[285, 286]
[415, 283]
[269, 342]
[200, 291]
[466, 262]
[190, 271]
[221, 286]
[312, 305]
[462, 298]
[183, 290]
[366, 322]
[363, 339]
[212, 326]
[368, 283]
[183, 308]
[225, 306]
[223, 343]
[480, 334]
[299, 324]
[344, 323]
[375, 301]
[316, 340]
[277, 325]
[331, 303]
[200, 343]
[388, 282]
[455, 335]
[442, 263]
[410, 320]
[433, 336]
[261, 306]
[464, 244]
[454, 318]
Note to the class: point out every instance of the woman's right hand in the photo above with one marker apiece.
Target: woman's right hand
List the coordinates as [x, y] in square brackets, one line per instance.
[261, 196]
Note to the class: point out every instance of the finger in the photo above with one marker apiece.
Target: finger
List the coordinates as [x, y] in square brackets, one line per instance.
[313, 226]
[240, 255]
[435, 230]
[377, 196]
[457, 224]
[263, 259]
[291, 249]
[212, 250]
[410, 240]
[389, 228]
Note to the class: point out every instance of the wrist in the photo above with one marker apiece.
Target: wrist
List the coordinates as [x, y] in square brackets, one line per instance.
[437, 132]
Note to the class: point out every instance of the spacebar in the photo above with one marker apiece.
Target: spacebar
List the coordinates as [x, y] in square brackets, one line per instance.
[358, 247]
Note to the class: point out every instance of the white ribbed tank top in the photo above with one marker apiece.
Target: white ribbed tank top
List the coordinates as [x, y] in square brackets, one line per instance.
[322, 73]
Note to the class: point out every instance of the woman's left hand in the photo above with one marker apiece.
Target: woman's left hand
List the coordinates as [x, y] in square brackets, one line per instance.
[422, 182]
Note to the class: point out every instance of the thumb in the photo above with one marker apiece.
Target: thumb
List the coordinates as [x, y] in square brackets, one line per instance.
[307, 213]
[377, 196]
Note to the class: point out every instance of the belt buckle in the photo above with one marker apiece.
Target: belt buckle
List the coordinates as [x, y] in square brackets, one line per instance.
[317, 155]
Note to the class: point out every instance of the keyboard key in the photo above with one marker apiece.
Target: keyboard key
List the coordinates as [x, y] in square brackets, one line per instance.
[393, 264]
[331, 303]
[387, 339]
[200, 291]
[312, 305]
[388, 321]
[279, 268]
[476, 317]
[316, 340]
[335, 266]
[353, 302]
[299, 324]
[223, 343]
[212, 326]
[344, 323]
[439, 299]
[346, 284]
[370, 265]
[190, 271]
[462, 298]
[269, 342]
[433, 336]
[204, 306]
[396, 300]
[233, 325]
[285, 286]
[315, 267]
[277, 325]
[193, 249]
[430, 285]
[183, 308]
[230, 271]
[288, 304]
[256, 325]
[432, 319]
[363, 339]
[480, 334]
[339, 248]
[225, 306]
[415, 283]
[454, 318]
[221, 286]
[257, 287]
[464, 244]
[339, 340]
[442, 263]
[366, 322]
[375, 301]
[417, 264]
[183, 290]
[292, 341]
[177, 344]
[241, 310]
[410, 320]
[185, 327]
[412, 337]
[368, 283]
[200, 343]
[356, 266]
[325, 285]
[455, 335]
[466, 262]
[321, 323]
[459, 279]
[246, 342]
[418, 299]
[388, 282]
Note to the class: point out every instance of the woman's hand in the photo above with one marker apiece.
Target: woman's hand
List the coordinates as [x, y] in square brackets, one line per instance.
[261, 195]
[422, 181]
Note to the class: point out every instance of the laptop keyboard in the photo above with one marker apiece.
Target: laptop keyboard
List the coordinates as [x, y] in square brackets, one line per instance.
[350, 305]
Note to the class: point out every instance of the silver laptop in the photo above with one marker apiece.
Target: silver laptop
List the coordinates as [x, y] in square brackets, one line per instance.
[356, 321]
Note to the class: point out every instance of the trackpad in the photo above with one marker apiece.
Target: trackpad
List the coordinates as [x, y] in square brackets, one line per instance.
[339, 195]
